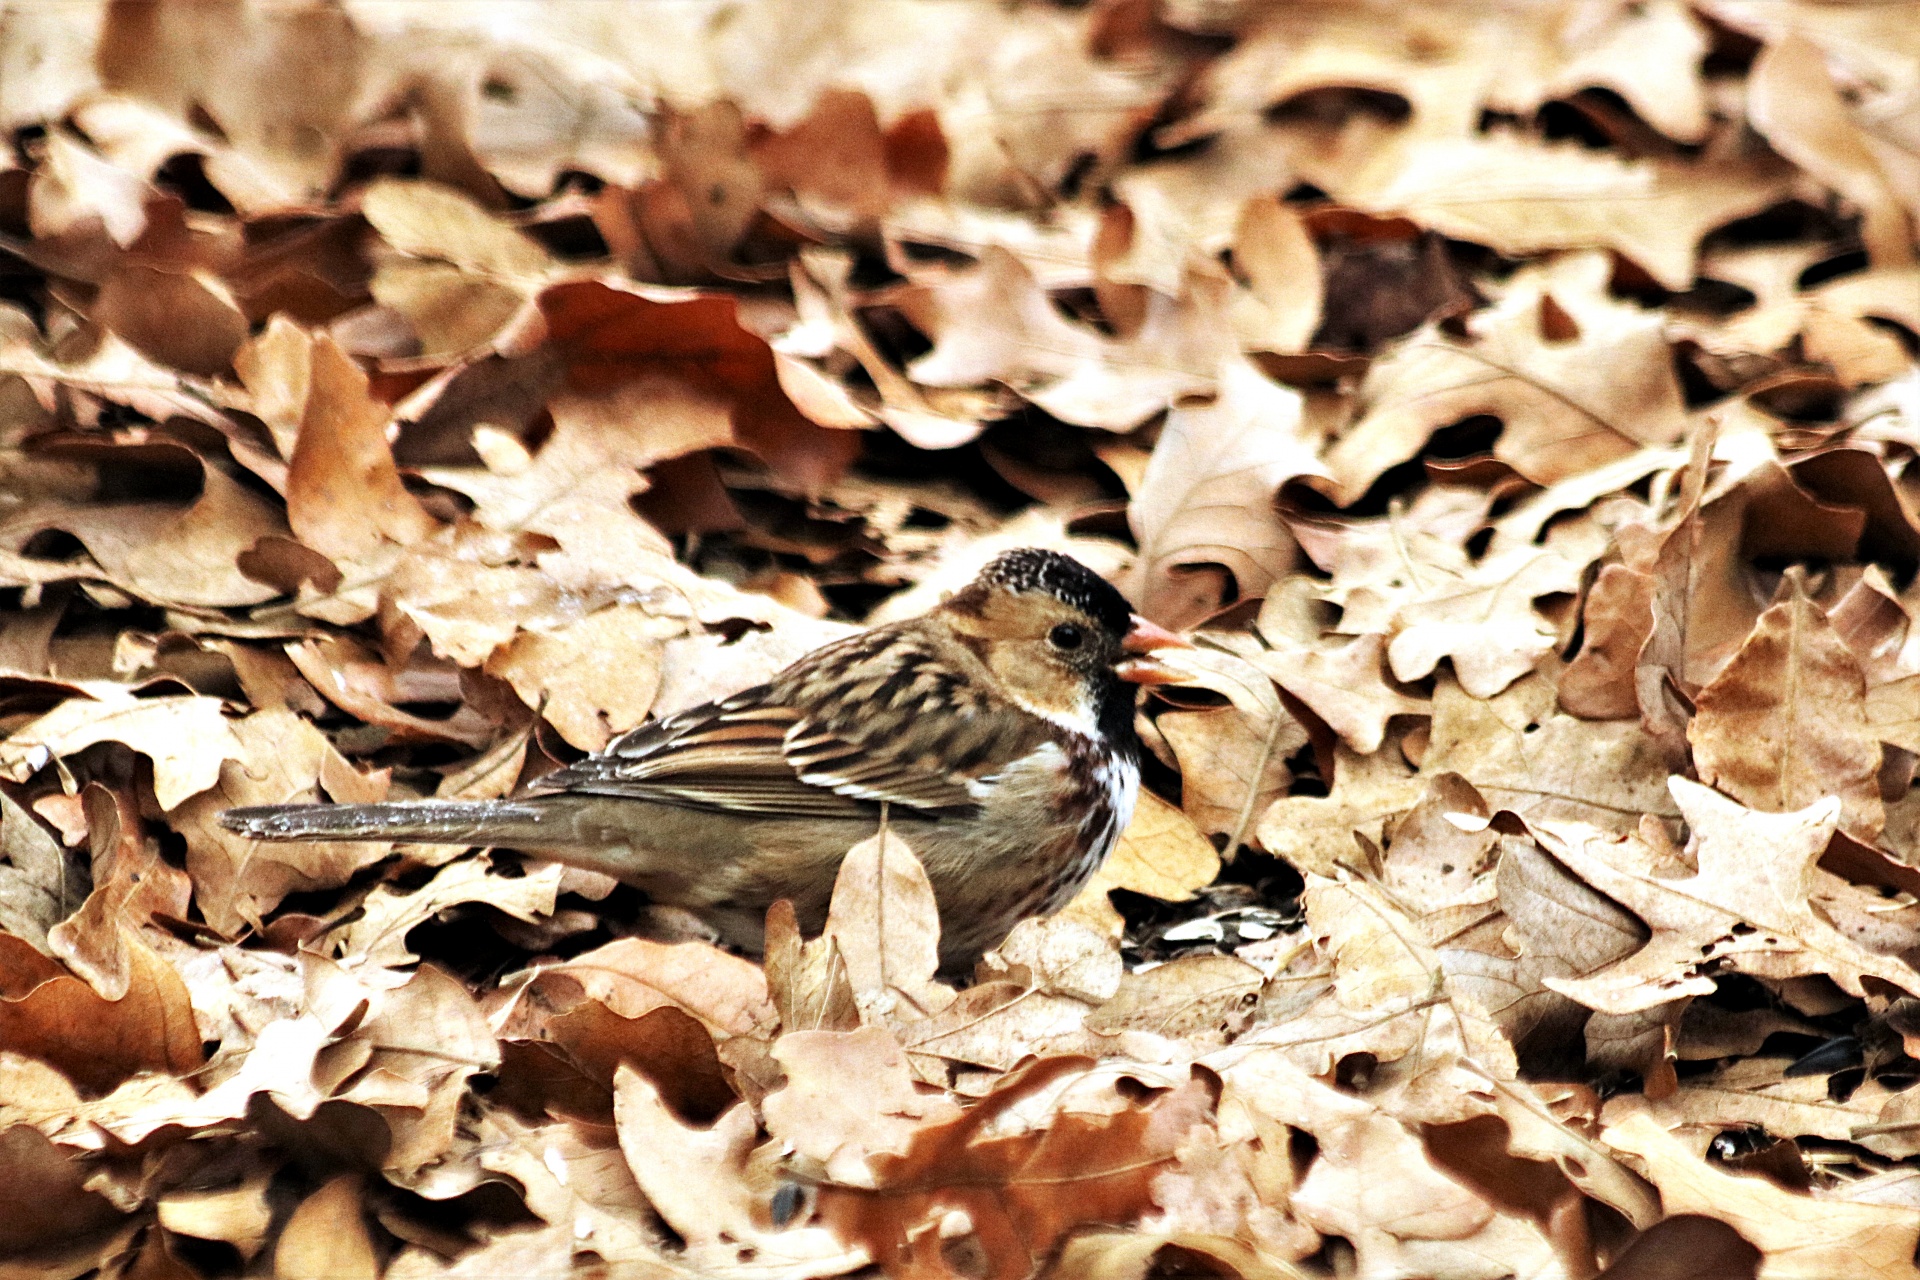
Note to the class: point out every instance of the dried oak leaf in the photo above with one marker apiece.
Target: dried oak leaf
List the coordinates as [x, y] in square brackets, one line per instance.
[1559, 926]
[237, 1215]
[1747, 909]
[463, 273]
[45, 1204]
[591, 679]
[1375, 1183]
[1759, 1092]
[849, 1095]
[187, 738]
[279, 1063]
[1484, 621]
[1794, 103]
[1449, 68]
[1390, 996]
[1599, 683]
[1567, 404]
[1321, 833]
[161, 552]
[411, 1060]
[698, 1181]
[210, 65]
[1797, 1235]
[633, 976]
[885, 924]
[1229, 774]
[1343, 680]
[344, 495]
[1161, 854]
[40, 882]
[1016, 1190]
[573, 1175]
[994, 323]
[1521, 197]
[47, 1013]
[377, 932]
[282, 758]
[131, 884]
[1207, 497]
[326, 1237]
[1785, 722]
[1523, 755]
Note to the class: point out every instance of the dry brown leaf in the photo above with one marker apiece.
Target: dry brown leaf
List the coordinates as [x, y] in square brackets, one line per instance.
[186, 737]
[1747, 909]
[574, 1176]
[1200, 1000]
[377, 933]
[1019, 1192]
[1207, 497]
[159, 551]
[1522, 197]
[281, 758]
[886, 927]
[993, 323]
[694, 1179]
[1797, 1235]
[344, 496]
[279, 148]
[635, 975]
[40, 883]
[1344, 683]
[1523, 755]
[1375, 1183]
[1599, 683]
[98, 1043]
[1321, 833]
[1567, 404]
[593, 679]
[1273, 255]
[131, 885]
[1160, 854]
[1794, 103]
[849, 1095]
[1393, 998]
[326, 1237]
[1229, 774]
[238, 1215]
[44, 1202]
[1785, 723]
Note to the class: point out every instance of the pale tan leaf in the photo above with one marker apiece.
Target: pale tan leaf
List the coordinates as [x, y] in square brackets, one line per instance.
[848, 1095]
[1785, 723]
[1800, 1236]
[1748, 908]
[186, 737]
[1793, 101]
[1207, 495]
[326, 1237]
[885, 920]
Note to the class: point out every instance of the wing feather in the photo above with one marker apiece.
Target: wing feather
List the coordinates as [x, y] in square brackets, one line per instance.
[861, 722]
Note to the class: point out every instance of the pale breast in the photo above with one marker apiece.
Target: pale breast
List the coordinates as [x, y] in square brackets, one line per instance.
[1047, 823]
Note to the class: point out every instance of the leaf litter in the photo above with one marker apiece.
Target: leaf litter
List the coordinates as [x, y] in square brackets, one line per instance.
[1519, 406]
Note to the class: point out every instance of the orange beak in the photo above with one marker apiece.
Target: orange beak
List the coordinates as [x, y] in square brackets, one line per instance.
[1141, 640]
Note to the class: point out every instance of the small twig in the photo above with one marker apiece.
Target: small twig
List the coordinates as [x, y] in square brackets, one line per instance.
[1245, 818]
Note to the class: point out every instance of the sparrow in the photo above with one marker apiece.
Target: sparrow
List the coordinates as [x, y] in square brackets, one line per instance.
[994, 734]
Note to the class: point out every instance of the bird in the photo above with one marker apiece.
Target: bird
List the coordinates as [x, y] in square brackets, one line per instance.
[993, 733]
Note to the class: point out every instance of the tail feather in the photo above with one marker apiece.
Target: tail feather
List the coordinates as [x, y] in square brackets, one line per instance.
[503, 822]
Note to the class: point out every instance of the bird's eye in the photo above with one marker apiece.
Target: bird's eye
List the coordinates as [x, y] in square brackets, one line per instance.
[1067, 636]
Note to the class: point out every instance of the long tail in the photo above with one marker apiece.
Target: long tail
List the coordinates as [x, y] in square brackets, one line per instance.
[503, 822]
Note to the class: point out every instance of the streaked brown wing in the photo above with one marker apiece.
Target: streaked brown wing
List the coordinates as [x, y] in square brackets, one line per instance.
[725, 755]
[756, 753]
